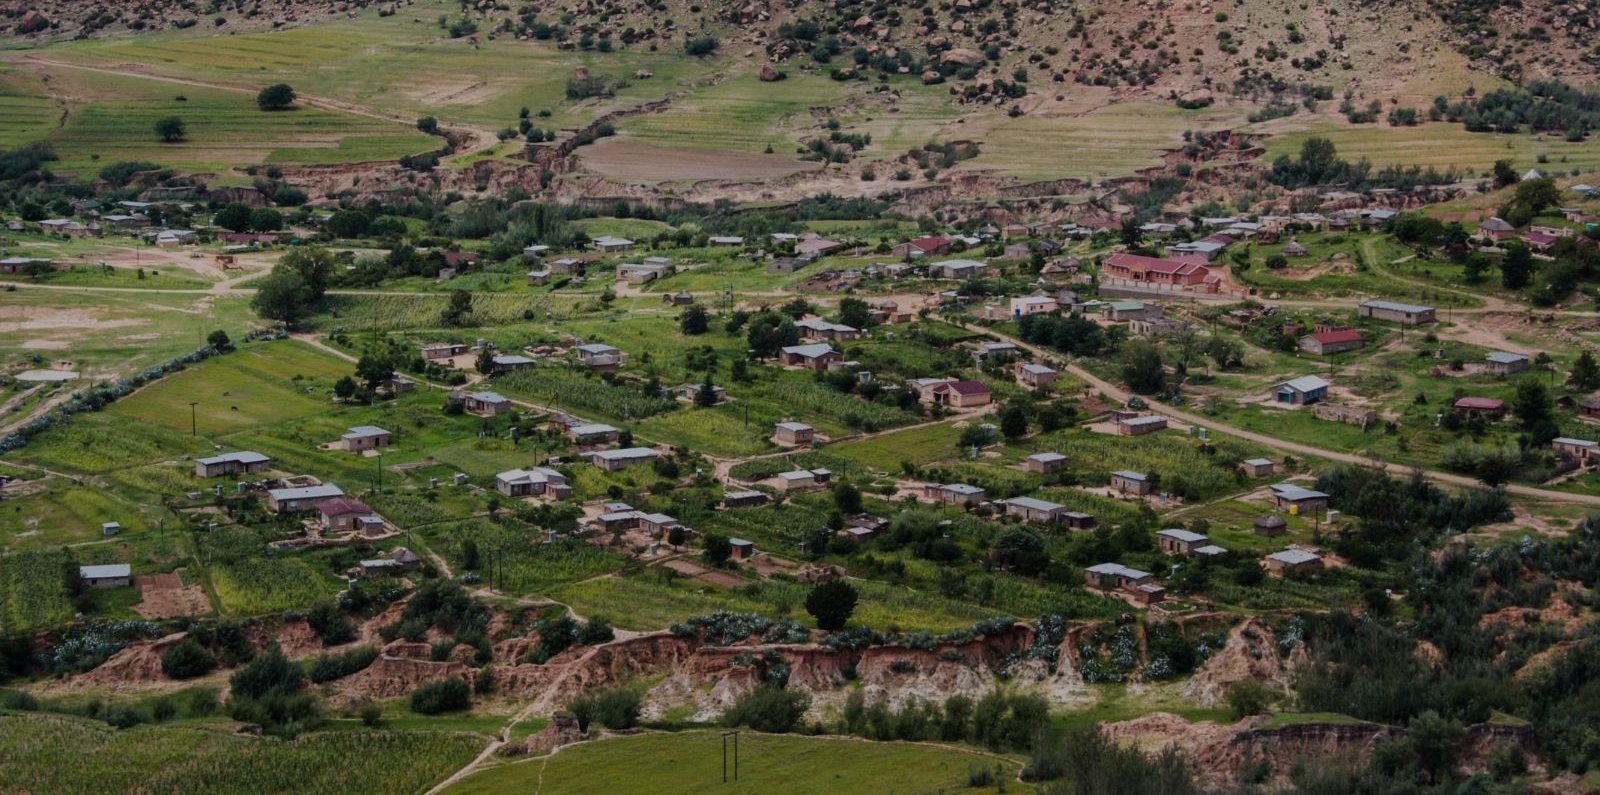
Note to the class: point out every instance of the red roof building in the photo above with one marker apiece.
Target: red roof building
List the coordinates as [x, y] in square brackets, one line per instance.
[1133, 267]
[1482, 405]
[962, 394]
[1324, 343]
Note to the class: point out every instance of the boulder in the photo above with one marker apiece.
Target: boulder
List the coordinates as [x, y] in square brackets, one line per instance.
[963, 56]
[769, 74]
[930, 77]
[581, 73]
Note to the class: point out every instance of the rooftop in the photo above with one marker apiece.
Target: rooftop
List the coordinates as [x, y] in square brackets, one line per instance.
[1180, 534]
[1295, 557]
[1394, 306]
[105, 572]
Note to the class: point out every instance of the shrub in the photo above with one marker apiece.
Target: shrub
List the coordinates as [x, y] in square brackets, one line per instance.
[332, 626]
[768, 708]
[448, 695]
[1248, 697]
[187, 660]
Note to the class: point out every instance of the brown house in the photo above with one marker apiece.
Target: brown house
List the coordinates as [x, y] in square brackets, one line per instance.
[1292, 559]
[1259, 467]
[794, 434]
[1139, 426]
[1044, 463]
[814, 357]
[961, 394]
[1270, 526]
[342, 514]
[1132, 482]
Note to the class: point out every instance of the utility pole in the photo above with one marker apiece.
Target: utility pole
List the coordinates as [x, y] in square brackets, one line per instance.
[380, 473]
[725, 736]
[192, 404]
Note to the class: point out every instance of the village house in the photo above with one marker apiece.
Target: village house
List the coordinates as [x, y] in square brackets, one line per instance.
[641, 273]
[1327, 343]
[691, 392]
[1503, 363]
[742, 549]
[1298, 500]
[301, 499]
[889, 312]
[1485, 407]
[606, 244]
[1539, 241]
[1077, 520]
[1258, 467]
[1153, 270]
[793, 434]
[1294, 248]
[679, 298]
[506, 362]
[815, 247]
[538, 278]
[1033, 305]
[1581, 450]
[566, 266]
[802, 479]
[1139, 426]
[1177, 541]
[726, 240]
[815, 329]
[1035, 376]
[443, 350]
[535, 251]
[1206, 249]
[1148, 327]
[953, 493]
[365, 437]
[613, 460]
[957, 269]
[932, 246]
[1409, 314]
[1124, 311]
[110, 575]
[960, 394]
[1138, 584]
[599, 357]
[1302, 391]
[1136, 483]
[865, 526]
[240, 462]
[744, 499]
[341, 514]
[1589, 408]
[1292, 559]
[996, 351]
[485, 404]
[1034, 510]
[785, 265]
[816, 356]
[1270, 526]
[1496, 229]
[1044, 463]
[588, 433]
[530, 482]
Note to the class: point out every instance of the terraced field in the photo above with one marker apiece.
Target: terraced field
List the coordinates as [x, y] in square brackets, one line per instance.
[1442, 145]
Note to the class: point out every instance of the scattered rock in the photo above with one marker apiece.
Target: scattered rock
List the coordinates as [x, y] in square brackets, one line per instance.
[963, 56]
[769, 73]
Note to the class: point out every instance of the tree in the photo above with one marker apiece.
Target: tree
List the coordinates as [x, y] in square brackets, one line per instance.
[700, 46]
[1475, 267]
[1248, 697]
[1516, 268]
[1142, 369]
[854, 312]
[171, 129]
[706, 397]
[847, 498]
[344, 388]
[1318, 157]
[1436, 742]
[1504, 174]
[281, 296]
[1130, 233]
[1534, 195]
[445, 695]
[1534, 410]
[265, 219]
[275, 97]
[374, 369]
[694, 321]
[676, 536]
[831, 603]
[1585, 372]
[769, 709]
[269, 673]
[219, 340]
[234, 217]
[718, 549]
[349, 224]
[1014, 422]
[428, 125]
[314, 266]
[485, 361]
[456, 312]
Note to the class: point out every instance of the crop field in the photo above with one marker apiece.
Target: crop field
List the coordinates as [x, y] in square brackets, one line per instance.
[920, 445]
[67, 755]
[225, 128]
[369, 313]
[32, 592]
[720, 431]
[529, 566]
[268, 585]
[25, 118]
[1079, 140]
[1441, 145]
[582, 392]
[691, 762]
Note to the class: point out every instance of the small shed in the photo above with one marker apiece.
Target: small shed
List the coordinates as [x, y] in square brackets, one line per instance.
[1270, 526]
[742, 549]
[113, 575]
[1259, 467]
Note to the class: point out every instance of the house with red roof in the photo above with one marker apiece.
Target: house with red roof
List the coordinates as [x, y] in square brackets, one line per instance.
[931, 246]
[1186, 272]
[341, 513]
[1486, 407]
[1326, 343]
[952, 392]
[1539, 241]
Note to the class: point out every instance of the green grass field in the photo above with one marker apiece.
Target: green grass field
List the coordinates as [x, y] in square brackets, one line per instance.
[1441, 145]
[112, 333]
[1082, 141]
[69, 755]
[691, 763]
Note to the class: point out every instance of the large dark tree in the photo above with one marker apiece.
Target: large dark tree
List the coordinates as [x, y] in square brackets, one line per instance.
[171, 129]
[281, 296]
[275, 97]
[831, 603]
[693, 321]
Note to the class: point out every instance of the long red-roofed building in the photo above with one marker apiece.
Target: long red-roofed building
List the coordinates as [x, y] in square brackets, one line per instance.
[1156, 270]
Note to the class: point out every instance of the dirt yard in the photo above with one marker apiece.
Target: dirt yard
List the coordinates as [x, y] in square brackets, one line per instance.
[164, 596]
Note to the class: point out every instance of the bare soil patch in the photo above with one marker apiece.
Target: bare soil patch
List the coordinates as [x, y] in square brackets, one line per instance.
[164, 596]
[635, 161]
